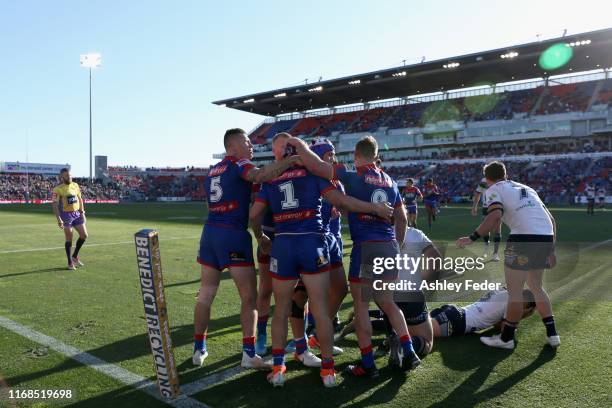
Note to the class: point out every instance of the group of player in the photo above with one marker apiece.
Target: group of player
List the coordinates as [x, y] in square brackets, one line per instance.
[592, 194]
[293, 207]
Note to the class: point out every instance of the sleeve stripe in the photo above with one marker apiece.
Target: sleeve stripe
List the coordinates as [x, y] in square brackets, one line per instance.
[261, 200]
[328, 189]
[494, 203]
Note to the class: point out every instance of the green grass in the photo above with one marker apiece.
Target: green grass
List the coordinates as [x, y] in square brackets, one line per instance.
[98, 309]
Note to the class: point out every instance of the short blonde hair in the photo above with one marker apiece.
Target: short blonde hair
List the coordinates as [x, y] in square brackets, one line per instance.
[367, 148]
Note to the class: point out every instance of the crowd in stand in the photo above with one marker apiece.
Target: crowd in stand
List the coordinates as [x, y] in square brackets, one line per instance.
[556, 98]
[38, 187]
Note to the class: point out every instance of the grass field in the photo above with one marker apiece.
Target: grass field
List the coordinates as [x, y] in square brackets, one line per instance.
[98, 309]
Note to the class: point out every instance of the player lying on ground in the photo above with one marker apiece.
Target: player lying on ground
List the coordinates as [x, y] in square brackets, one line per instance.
[69, 209]
[529, 250]
[300, 250]
[489, 311]
[369, 183]
[411, 195]
[479, 198]
[412, 304]
[226, 242]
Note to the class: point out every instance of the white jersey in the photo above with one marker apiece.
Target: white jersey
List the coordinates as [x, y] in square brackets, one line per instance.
[414, 244]
[524, 212]
[590, 191]
[487, 311]
[481, 188]
[601, 193]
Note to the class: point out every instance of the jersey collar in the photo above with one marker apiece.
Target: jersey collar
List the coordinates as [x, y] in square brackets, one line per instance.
[363, 168]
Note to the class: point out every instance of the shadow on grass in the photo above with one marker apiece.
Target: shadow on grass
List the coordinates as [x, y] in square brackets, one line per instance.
[466, 393]
[12, 275]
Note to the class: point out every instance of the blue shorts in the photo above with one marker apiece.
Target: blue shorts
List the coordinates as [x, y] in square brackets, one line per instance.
[412, 209]
[223, 247]
[335, 250]
[386, 249]
[430, 203]
[293, 255]
[71, 219]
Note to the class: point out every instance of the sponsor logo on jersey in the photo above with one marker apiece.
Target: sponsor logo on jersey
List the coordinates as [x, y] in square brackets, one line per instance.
[295, 215]
[223, 207]
[215, 171]
[289, 174]
[378, 180]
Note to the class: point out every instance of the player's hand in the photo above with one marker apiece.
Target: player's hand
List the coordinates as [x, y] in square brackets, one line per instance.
[552, 260]
[265, 244]
[60, 224]
[463, 242]
[383, 210]
[474, 211]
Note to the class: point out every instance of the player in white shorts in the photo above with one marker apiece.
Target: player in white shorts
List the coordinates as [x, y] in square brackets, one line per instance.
[601, 197]
[589, 191]
[488, 311]
[529, 249]
[479, 199]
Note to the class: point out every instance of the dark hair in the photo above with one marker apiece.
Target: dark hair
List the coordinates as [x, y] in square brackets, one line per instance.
[410, 180]
[495, 171]
[64, 170]
[430, 179]
[229, 133]
[367, 147]
[528, 298]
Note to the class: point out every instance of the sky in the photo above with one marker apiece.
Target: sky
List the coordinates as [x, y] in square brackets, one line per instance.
[163, 63]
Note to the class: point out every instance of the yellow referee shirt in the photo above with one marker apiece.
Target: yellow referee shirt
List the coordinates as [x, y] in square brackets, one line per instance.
[67, 195]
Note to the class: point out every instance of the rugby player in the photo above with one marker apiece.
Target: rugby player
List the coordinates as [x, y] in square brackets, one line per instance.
[367, 182]
[226, 242]
[529, 249]
[589, 191]
[488, 311]
[601, 197]
[411, 194]
[431, 194]
[478, 199]
[69, 209]
[412, 304]
[264, 292]
[300, 250]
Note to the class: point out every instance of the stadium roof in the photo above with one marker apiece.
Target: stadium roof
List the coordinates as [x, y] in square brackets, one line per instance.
[591, 50]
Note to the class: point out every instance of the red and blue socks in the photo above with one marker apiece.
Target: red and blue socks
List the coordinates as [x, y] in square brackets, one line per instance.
[278, 356]
[406, 342]
[262, 325]
[300, 345]
[248, 346]
[367, 357]
[200, 342]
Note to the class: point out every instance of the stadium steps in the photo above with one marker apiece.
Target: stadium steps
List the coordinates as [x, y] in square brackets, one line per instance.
[595, 95]
[536, 106]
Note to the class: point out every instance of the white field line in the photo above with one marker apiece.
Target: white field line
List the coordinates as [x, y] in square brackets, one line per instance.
[120, 374]
[14, 251]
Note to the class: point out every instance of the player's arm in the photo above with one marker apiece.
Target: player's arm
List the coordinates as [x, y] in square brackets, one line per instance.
[256, 214]
[493, 218]
[270, 171]
[475, 202]
[433, 262]
[55, 205]
[400, 222]
[311, 161]
[419, 194]
[352, 204]
[81, 204]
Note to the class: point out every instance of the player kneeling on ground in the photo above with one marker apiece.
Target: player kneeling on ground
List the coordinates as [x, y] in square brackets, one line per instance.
[488, 311]
[529, 250]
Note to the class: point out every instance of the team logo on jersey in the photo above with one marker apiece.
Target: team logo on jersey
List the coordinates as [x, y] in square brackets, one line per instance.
[321, 259]
[522, 260]
[215, 171]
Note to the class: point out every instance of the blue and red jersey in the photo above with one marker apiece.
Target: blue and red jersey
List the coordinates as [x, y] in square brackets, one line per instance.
[228, 193]
[295, 200]
[371, 184]
[431, 192]
[410, 195]
[330, 214]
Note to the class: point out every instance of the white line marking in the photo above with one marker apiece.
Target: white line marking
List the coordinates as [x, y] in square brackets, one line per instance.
[13, 251]
[211, 380]
[120, 374]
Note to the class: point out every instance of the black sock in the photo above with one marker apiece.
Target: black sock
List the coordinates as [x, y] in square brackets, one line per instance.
[68, 245]
[496, 241]
[549, 323]
[418, 343]
[508, 331]
[79, 244]
[485, 238]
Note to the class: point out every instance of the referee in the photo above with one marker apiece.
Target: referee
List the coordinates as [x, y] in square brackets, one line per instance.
[529, 250]
[69, 209]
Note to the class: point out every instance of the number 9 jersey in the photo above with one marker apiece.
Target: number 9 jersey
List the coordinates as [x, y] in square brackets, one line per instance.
[371, 184]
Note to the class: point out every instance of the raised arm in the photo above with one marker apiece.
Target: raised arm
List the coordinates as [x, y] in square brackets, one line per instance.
[311, 161]
[348, 203]
[270, 171]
